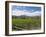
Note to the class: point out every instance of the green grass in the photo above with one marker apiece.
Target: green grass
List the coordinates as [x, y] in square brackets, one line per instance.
[26, 24]
[26, 21]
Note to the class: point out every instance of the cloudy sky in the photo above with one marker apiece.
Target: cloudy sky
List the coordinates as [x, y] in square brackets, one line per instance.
[26, 10]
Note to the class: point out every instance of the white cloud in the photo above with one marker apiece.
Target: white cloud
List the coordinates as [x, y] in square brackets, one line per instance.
[18, 13]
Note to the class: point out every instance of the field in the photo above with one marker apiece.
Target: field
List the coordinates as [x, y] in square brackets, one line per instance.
[26, 23]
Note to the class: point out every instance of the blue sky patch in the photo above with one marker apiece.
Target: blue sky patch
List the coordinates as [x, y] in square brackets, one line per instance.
[26, 10]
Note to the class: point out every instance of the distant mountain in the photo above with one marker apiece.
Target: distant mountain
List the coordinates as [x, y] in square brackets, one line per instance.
[24, 16]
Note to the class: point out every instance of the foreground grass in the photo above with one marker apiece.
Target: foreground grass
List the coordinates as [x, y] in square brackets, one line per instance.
[26, 24]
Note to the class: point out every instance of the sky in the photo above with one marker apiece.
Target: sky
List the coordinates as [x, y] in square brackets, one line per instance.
[26, 10]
